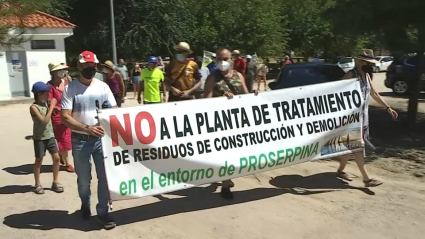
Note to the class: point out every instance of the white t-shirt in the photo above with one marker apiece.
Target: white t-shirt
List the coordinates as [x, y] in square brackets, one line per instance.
[81, 99]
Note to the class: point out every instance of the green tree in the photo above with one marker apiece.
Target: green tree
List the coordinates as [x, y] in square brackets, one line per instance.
[399, 24]
[250, 26]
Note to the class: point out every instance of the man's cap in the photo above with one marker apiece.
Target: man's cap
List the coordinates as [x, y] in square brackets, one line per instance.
[248, 57]
[213, 55]
[236, 52]
[87, 56]
[54, 66]
[153, 59]
[40, 87]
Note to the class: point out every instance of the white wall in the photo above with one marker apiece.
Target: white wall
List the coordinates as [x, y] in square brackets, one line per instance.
[4, 77]
[37, 60]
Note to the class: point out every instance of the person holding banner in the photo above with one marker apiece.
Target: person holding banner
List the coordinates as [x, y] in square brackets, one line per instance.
[360, 72]
[79, 113]
[225, 82]
[153, 79]
[182, 77]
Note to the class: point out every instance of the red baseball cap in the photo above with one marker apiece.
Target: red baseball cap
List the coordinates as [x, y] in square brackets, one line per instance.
[87, 56]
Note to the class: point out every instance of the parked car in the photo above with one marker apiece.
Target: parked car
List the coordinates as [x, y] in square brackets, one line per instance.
[346, 63]
[302, 74]
[384, 63]
[401, 73]
[274, 69]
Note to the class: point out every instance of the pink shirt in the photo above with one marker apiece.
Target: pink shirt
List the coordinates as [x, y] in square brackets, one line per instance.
[56, 94]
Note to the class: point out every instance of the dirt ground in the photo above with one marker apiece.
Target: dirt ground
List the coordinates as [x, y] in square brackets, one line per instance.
[303, 201]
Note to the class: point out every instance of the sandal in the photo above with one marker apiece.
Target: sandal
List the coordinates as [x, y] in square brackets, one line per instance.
[57, 187]
[39, 190]
[70, 168]
[343, 175]
[372, 183]
[226, 193]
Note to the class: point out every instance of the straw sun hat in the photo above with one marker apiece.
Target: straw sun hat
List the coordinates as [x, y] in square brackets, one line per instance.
[54, 66]
[366, 58]
[109, 65]
[183, 47]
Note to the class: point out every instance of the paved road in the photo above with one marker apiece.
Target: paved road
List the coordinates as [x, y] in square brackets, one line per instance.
[302, 201]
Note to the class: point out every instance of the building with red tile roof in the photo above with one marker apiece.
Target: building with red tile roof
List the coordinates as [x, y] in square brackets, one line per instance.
[22, 66]
[38, 19]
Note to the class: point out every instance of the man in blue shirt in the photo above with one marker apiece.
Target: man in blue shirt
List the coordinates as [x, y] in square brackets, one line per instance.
[213, 65]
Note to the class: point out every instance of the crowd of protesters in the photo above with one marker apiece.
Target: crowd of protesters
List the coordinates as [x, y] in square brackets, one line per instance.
[64, 111]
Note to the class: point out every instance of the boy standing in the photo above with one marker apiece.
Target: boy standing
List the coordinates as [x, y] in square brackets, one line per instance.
[43, 136]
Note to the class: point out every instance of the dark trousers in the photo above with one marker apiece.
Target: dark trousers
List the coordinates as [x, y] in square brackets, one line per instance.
[118, 100]
[249, 82]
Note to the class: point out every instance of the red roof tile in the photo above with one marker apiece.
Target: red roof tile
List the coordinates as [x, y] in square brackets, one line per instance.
[38, 19]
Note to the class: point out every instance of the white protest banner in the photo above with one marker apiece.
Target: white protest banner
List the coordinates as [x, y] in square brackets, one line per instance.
[158, 148]
[207, 59]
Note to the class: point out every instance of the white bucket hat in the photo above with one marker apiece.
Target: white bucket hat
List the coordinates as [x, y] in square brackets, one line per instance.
[183, 46]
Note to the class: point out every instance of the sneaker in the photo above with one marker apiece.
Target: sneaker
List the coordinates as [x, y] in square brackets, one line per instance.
[108, 223]
[85, 211]
[57, 187]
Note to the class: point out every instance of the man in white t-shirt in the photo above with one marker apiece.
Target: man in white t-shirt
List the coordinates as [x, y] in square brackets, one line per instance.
[80, 100]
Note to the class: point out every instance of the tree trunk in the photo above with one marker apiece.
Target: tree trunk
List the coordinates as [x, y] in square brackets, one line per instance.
[412, 108]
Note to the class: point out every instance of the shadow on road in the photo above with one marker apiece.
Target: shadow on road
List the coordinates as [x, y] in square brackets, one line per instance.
[397, 138]
[52, 219]
[393, 95]
[27, 169]
[303, 184]
[12, 189]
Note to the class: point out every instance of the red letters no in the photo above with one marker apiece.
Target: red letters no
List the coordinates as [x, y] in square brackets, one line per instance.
[116, 128]
[138, 128]
[126, 131]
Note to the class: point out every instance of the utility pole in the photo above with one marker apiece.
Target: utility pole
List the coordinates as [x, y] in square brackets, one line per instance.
[114, 45]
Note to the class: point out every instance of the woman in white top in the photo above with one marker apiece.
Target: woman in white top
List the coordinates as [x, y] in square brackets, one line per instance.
[367, 91]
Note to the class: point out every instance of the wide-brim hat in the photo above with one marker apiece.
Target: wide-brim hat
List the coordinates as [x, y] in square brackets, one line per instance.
[53, 66]
[109, 64]
[366, 58]
[183, 47]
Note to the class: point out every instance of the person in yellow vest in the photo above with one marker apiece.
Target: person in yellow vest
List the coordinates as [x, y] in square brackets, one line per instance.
[153, 81]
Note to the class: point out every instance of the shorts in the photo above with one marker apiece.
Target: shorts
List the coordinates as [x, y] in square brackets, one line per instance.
[63, 137]
[149, 103]
[136, 80]
[40, 147]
